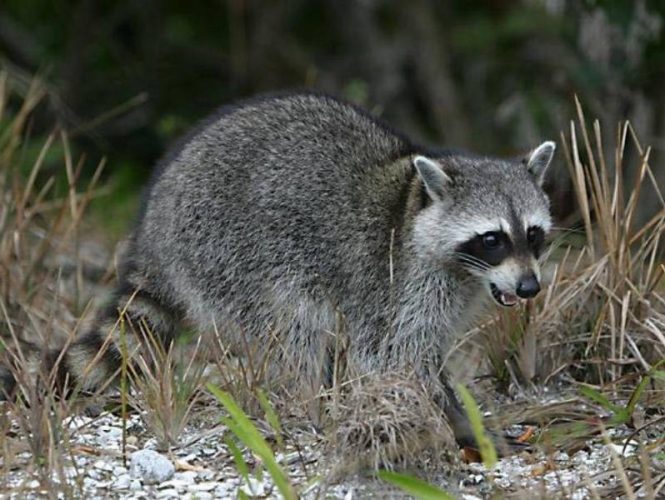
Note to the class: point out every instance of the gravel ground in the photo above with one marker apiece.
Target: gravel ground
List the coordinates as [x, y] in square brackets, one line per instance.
[202, 468]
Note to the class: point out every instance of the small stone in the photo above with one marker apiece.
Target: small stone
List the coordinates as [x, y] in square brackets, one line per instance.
[189, 457]
[206, 486]
[188, 476]
[206, 475]
[581, 457]
[94, 474]
[254, 488]
[170, 493]
[199, 495]
[89, 482]
[119, 470]
[135, 484]
[151, 467]
[122, 482]
[101, 465]
[225, 490]
[174, 483]
[151, 444]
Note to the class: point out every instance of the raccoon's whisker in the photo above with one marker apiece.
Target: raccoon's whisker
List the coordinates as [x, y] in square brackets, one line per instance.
[562, 229]
[470, 258]
[472, 261]
[474, 265]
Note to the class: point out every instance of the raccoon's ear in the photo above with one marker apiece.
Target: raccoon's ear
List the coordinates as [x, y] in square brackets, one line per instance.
[433, 176]
[539, 159]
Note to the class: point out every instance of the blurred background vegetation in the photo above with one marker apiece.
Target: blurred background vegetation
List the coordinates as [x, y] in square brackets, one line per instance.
[127, 77]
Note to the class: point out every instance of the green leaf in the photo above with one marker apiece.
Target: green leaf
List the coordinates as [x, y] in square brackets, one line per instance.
[621, 416]
[485, 445]
[238, 459]
[637, 394]
[240, 424]
[599, 398]
[414, 486]
[271, 417]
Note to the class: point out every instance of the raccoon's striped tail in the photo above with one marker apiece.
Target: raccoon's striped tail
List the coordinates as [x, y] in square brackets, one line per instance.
[135, 319]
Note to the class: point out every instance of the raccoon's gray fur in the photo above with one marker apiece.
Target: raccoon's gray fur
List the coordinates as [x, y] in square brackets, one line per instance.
[288, 220]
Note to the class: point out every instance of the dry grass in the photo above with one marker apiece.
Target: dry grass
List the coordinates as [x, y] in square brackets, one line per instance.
[168, 385]
[388, 422]
[40, 298]
[600, 326]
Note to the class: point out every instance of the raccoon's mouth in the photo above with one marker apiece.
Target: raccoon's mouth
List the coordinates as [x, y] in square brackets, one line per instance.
[503, 298]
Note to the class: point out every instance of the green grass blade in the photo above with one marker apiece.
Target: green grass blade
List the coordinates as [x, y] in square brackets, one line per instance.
[485, 445]
[271, 417]
[598, 397]
[242, 426]
[414, 486]
[238, 459]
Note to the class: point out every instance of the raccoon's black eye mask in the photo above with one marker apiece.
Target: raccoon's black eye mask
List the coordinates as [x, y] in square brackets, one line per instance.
[535, 237]
[491, 247]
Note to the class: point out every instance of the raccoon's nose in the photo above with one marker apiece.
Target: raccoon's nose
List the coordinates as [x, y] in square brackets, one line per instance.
[528, 286]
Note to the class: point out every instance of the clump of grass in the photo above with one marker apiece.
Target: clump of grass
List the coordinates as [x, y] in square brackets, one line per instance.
[243, 373]
[168, 383]
[386, 422]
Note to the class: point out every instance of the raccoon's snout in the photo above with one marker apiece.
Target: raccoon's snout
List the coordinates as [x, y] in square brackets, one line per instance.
[528, 287]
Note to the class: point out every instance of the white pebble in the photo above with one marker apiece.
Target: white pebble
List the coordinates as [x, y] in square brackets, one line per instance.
[174, 483]
[122, 482]
[101, 465]
[188, 476]
[170, 493]
[254, 488]
[199, 495]
[207, 486]
[151, 467]
[119, 469]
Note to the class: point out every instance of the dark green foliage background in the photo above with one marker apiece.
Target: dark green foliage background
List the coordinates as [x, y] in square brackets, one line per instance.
[127, 77]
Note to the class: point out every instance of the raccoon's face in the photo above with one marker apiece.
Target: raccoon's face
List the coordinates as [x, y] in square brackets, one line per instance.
[488, 216]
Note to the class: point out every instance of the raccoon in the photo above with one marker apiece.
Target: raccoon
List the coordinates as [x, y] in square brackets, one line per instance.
[291, 220]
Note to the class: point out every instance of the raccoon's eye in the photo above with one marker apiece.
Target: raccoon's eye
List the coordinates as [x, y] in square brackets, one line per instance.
[535, 236]
[491, 240]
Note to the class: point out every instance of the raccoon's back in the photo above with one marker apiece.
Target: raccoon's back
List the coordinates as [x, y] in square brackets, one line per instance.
[278, 188]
